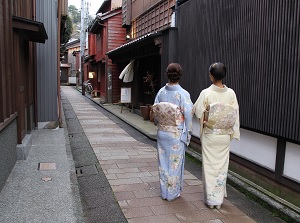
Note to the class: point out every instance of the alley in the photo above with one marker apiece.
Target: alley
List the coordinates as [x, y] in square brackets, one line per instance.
[131, 169]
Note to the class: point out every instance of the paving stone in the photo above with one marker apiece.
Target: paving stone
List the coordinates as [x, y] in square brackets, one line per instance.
[125, 181]
[156, 219]
[146, 201]
[133, 175]
[137, 212]
[115, 157]
[124, 170]
[114, 162]
[173, 208]
[152, 192]
[193, 189]
[244, 219]
[230, 210]
[111, 176]
[128, 165]
[149, 168]
[193, 182]
[125, 195]
[131, 187]
[123, 204]
[150, 179]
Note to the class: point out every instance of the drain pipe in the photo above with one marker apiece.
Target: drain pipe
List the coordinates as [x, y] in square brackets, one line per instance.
[176, 8]
[58, 63]
[82, 39]
[173, 36]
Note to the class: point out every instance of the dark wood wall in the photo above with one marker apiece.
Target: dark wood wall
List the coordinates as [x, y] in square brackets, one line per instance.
[258, 40]
[8, 108]
[17, 68]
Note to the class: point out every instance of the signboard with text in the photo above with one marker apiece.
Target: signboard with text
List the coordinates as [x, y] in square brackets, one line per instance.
[126, 95]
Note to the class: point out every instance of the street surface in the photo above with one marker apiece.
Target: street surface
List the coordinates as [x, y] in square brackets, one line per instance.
[128, 160]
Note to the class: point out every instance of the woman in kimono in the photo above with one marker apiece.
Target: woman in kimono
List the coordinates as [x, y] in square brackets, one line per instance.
[218, 112]
[173, 114]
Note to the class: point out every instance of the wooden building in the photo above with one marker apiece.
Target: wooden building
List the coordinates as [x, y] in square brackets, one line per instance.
[146, 24]
[70, 63]
[20, 76]
[105, 34]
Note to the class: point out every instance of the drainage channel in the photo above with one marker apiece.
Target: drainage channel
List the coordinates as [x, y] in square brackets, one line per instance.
[86, 170]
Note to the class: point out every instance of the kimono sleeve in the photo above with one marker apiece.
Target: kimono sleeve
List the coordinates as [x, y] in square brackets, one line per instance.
[199, 108]
[200, 105]
[188, 112]
[156, 100]
[236, 127]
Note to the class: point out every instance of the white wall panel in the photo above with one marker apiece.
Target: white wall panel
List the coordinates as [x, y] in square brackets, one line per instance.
[292, 161]
[196, 127]
[256, 147]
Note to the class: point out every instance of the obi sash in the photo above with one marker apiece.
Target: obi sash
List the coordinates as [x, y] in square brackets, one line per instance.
[168, 116]
[221, 119]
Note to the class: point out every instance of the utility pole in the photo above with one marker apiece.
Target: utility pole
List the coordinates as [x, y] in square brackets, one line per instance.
[82, 44]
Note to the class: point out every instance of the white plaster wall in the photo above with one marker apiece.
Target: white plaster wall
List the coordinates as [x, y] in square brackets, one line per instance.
[196, 127]
[292, 161]
[256, 147]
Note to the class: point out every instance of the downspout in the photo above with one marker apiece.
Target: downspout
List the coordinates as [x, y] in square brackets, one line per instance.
[108, 71]
[173, 37]
[35, 73]
[58, 63]
[82, 39]
[176, 8]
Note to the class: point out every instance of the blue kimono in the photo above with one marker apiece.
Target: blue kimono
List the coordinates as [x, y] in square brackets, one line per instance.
[173, 137]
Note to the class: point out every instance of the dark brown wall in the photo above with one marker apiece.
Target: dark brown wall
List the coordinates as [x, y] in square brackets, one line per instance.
[17, 68]
[116, 34]
[7, 90]
[258, 40]
[151, 19]
[140, 6]
[16, 83]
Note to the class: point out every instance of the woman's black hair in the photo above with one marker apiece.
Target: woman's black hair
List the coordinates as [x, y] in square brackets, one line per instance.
[174, 72]
[218, 70]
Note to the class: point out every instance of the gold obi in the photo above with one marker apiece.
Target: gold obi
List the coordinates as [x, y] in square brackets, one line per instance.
[221, 119]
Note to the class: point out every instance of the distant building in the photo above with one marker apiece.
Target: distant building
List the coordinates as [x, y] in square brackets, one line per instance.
[105, 33]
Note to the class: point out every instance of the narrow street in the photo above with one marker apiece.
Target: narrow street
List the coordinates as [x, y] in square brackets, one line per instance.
[116, 164]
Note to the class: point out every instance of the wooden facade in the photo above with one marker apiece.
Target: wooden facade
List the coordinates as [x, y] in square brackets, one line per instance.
[8, 110]
[155, 18]
[18, 77]
[107, 33]
[145, 16]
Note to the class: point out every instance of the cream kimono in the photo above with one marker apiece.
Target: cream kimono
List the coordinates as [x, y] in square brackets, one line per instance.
[216, 133]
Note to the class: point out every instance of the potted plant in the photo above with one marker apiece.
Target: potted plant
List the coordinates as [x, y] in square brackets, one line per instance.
[146, 109]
